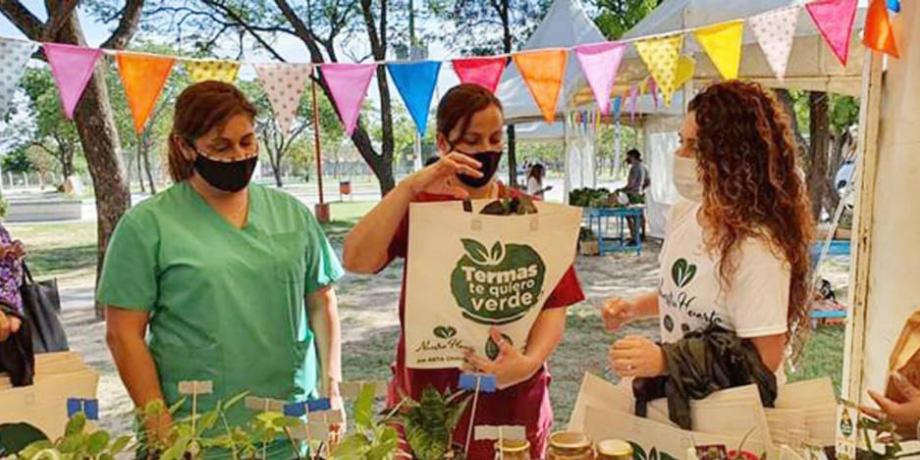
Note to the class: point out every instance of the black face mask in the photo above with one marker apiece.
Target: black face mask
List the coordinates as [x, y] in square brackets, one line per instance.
[229, 176]
[489, 160]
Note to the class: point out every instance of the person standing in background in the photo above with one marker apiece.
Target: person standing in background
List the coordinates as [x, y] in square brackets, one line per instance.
[535, 181]
[636, 184]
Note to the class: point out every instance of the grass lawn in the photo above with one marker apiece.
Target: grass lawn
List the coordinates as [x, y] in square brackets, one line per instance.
[64, 250]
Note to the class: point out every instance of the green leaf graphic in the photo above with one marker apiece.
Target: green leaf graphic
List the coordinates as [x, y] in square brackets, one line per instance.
[497, 252]
[682, 272]
[477, 252]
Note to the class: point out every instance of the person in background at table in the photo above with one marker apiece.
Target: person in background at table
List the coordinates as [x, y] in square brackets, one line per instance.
[736, 248]
[636, 184]
[535, 181]
[216, 279]
[11, 255]
[470, 141]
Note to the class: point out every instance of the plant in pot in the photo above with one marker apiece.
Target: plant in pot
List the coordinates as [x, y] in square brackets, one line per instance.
[429, 423]
[370, 439]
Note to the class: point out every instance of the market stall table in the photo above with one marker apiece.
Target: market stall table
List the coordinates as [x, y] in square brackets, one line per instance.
[598, 220]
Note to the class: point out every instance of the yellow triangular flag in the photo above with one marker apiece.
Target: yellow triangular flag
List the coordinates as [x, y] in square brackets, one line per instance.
[686, 65]
[212, 69]
[660, 56]
[722, 43]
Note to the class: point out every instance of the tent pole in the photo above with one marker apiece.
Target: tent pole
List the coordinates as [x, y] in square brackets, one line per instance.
[566, 181]
[861, 239]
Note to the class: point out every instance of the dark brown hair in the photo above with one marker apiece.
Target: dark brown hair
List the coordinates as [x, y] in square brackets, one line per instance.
[458, 106]
[199, 109]
[747, 163]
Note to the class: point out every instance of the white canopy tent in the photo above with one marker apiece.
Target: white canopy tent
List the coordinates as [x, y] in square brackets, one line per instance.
[812, 66]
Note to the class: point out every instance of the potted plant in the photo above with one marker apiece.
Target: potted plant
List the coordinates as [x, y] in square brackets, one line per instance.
[429, 423]
[370, 439]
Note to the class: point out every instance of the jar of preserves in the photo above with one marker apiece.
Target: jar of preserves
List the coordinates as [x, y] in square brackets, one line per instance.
[614, 449]
[569, 445]
[512, 449]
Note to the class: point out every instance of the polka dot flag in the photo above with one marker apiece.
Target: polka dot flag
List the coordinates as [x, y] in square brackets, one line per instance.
[284, 84]
[660, 56]
[212, 69]
[14, 54]
[774, 31]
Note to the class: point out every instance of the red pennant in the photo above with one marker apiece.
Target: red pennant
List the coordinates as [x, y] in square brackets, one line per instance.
[878, 34]
[834, 18]
[486, 72]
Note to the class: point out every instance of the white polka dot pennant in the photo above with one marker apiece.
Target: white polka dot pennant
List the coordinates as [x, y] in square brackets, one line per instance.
[284, 83]
[14, 55]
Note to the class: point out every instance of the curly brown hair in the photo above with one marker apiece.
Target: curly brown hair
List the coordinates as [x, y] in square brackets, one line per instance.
[752, 185]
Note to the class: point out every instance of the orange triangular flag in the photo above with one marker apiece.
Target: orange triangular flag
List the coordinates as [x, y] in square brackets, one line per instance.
[143, 76]
[543, 72]
[878, 33]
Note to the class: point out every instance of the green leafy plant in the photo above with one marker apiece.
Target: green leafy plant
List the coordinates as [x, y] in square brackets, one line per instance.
[429, 423]
[371, 439]
[78, 444]
[880, 435]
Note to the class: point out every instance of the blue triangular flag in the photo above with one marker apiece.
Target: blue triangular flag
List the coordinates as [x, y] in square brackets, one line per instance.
[894, 6]
[295, 410]
[319, 405]
[617, 105]
[415, 82]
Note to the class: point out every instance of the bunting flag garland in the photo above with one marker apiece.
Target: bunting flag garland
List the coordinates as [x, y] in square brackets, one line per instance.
[774, 31]
[416, 81]
[143, 76]
[212, 69]
[661, 56]
[633, 102]
[617, 105]
[686, 66]
[894, 6]
[543, 72]
[878, 34]
[485, 72]
[722, 43]
[600, 62]
[14, 55]
[72, 67]
[348, 85]
[284, 84]
[834, 19]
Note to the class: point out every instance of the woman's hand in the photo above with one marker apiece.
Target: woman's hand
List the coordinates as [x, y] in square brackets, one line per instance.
[336, 430]
[510, 368]
[15, 250]
[905, 415]
[158, 429]
[637, 356]
[440, 178]
[617, 312]
[9, 325]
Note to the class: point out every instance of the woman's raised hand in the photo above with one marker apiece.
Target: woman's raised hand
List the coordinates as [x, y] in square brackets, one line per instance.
[617, 312]
[440, 178]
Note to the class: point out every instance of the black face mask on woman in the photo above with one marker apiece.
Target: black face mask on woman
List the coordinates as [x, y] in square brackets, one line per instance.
[229, 176]
[489, 160]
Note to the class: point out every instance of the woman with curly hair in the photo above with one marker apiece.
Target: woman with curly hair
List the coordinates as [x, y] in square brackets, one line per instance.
[736, 246]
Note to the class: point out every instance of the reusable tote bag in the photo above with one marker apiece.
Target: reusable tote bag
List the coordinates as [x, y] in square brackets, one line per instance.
[469, 272]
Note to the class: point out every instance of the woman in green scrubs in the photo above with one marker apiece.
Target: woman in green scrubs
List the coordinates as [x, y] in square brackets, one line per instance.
[216, 279]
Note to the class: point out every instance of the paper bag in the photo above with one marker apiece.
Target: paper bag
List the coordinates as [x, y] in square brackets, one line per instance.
[469, 272]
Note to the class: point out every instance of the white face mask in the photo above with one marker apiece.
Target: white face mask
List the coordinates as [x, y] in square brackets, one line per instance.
[686, 179]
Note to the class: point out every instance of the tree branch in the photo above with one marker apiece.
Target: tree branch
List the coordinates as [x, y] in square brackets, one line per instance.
[127, 25]
[248, 27]
[302, 31]
[59, 15]
[22, 18]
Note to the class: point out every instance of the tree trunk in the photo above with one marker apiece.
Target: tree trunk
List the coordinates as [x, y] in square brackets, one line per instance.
[512, 145]
[818, 150]
[140, 175]
[101, 145]
[382, 164]
[145, 157]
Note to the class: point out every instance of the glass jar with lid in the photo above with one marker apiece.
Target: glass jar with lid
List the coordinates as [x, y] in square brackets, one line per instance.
[614, 449]
[569, 445]
[512, 449]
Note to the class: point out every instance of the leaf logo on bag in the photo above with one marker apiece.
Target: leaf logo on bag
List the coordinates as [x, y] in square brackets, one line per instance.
[497, 286]
[444, 332]
[492, 348]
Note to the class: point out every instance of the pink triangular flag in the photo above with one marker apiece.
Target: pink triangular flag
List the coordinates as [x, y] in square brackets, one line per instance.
[600, 62]
[834, 18]
[72, 67]
[348, 85]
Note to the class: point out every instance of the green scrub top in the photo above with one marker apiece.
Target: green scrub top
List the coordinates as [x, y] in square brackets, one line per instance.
[226, 304]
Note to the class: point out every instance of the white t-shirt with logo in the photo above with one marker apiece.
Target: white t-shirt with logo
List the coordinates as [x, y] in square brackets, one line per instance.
[691, 295]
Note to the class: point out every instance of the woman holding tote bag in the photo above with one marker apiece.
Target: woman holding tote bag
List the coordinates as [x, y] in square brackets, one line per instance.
[470, 141]
[736, 251]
